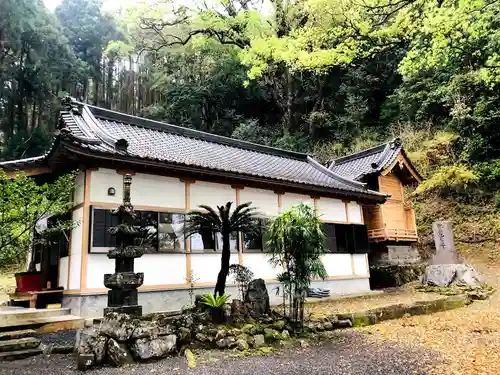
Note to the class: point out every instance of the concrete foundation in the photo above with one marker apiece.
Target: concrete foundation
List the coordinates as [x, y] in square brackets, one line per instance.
[92, 305]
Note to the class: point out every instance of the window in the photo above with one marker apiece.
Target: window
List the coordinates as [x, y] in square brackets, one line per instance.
[331, 239]
[208, 240]
[346, 238]
[171, 232]
[256, 240]
[165, 231]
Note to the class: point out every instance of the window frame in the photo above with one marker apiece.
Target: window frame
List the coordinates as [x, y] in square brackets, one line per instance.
[104, 250]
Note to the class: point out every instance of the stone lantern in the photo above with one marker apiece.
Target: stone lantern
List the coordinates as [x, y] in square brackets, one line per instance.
[122, 298]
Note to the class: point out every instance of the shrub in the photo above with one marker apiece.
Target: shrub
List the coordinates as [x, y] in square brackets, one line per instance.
[217, 301]
[242, 276]
[453, 179]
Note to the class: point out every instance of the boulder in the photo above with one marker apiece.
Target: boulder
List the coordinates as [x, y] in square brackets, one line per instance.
[259, 341]
[147, 330]
[156, 348]
[85, 361]
[239, 311]
[249, 329]
[249, 339]
[257, 298]
[118, 326]
[184, 335]
[451, 274]
[271, 335]
[221, 333]
[91, 342]
[119, 354]
[226, 342]
[242, 345]
[278, 325]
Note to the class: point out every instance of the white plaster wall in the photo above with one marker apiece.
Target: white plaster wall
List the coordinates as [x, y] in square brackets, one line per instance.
[289, 200]
[360, 263]
[78, 194]
[97, 266]
[355, 214]
[266, 201]
[63, 273]
[76, 251]
[332, 209]
[161, 269]
[153, 190]
[211, 194]
[101, 181]
[205, 267]
[38, 267]
[259, 265]
[337, 264]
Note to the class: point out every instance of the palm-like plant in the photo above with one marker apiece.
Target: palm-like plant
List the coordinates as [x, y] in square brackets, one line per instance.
[242, 219]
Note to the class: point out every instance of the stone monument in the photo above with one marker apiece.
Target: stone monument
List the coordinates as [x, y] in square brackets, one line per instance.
[122, 298]
[446, 252]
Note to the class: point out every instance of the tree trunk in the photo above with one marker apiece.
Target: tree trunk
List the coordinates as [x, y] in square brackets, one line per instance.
[220, 286]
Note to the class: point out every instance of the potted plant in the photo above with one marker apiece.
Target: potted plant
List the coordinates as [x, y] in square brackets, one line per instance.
[215, 305]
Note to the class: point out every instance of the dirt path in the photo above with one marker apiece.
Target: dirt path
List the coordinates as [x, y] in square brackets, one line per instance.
[348, 353]
[468, 338]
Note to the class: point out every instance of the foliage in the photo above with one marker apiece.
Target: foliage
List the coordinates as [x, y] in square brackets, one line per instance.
[24, 203]
[296, 243]
[216, 301]
[242, 276]
[224, 221]
[453, 179]
[191, 280]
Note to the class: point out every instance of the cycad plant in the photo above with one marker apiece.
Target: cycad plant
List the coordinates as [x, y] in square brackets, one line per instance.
[224, 221]
[295, 244]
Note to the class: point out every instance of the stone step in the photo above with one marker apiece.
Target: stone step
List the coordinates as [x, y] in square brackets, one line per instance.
[45, 324]
[9, 335]
[19, 344]
[20, 315]
[20, 354]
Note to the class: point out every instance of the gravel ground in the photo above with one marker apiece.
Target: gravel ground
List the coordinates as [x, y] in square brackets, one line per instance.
[345, 354]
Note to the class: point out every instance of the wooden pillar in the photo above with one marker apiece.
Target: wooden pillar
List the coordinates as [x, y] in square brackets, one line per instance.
[85, 230]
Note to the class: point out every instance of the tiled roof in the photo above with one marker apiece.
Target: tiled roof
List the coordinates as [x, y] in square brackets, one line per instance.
[373, 160]
[97, 132]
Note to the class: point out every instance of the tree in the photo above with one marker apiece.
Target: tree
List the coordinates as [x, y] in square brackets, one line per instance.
[241, 220]
[24, 203]
[296, 243]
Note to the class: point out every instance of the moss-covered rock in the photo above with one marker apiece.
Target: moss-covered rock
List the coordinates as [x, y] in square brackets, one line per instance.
[271, 335]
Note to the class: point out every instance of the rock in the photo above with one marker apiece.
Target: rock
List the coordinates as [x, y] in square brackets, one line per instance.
[90, 342]
[226, 342]
[271, 335]
[226, 312]
[118, 353]
[249, 329]
[451, 274]
[318, 327]
[266, 350]
[259, 341]
[118, 326]
[85, 361]
[278, 325]
[285, 335]
[242, 345]
[221, 333]
[239, 311]
[198, 302]
[145, 330]
[286, 344]
[235, 332]
[257, 298]
[327, 326]
[184, 335]
[156, 348]
[201, 337]
[343, 323]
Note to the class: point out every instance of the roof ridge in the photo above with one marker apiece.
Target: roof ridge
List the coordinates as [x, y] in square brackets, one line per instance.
[343, 179]
[357, 155]
[116, 116]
